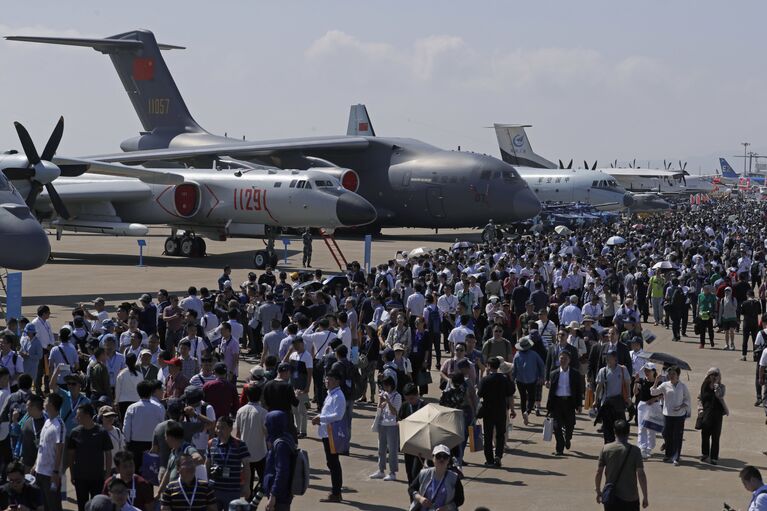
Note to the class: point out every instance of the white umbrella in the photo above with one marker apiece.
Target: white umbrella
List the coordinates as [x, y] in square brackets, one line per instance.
[418, 252]
[615, 240]
[462, 244]
[663, 265]
[562, 230]
[430, 426]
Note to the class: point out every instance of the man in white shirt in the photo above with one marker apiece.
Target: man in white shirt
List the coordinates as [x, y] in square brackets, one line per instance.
[415, 304]
[458, 335]
[125, 337]
[192, 302]
[570, 312]
[47, 469]
[344, 332]
[44, 334]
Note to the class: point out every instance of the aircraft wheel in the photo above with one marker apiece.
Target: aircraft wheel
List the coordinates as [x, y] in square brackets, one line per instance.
[273, 260]
[260, 259]
[198, 247]
[187, 246]
[172, 246]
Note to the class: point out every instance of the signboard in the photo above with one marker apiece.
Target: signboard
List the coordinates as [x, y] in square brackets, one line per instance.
[13, 297]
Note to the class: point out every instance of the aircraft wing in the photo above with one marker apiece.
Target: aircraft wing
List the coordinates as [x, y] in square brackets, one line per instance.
[642, 172]
[84, 190]
[237, 149]
[156, 176]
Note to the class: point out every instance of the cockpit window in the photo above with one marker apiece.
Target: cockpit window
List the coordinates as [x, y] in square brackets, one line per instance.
[293, 183]
[4, 185]
[595, 183]
[278, 184]
[509, 175]
[323, 183]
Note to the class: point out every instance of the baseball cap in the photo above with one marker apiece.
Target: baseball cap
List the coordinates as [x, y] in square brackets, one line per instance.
[108, 323]
[257, 372]
[399, 347]
[175, 361]
[30, 329]
[99, 300]
[440, 449]
[144, 352]
[145, 298]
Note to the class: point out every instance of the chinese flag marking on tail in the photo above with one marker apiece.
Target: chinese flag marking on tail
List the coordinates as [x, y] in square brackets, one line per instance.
[363, 126]
[143, 69]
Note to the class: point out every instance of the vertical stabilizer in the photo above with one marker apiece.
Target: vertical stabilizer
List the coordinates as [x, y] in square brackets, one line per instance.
[516, 149]
[727, 170]
[359, 122]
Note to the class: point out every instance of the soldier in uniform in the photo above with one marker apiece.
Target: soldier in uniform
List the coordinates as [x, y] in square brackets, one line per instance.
[307, 239]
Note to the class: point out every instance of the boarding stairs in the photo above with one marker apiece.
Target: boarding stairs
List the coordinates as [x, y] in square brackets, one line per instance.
[334, 249]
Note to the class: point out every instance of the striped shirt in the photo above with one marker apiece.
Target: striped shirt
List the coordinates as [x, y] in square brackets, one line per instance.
[182, 497]
[229, 458]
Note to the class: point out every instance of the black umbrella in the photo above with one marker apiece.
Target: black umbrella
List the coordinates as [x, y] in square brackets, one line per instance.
[671, 360]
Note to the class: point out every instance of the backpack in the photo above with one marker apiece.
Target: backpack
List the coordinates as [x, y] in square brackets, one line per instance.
[433, 321]
[453, 397]
[755, 269]
[299, 479]
[678, 298]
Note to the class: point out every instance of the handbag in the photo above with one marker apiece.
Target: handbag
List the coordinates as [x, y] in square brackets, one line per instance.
[548, 429]
[608, 490]
[476, 440]
[362, 361]
[589, 398]
[699, 420]
[423, 378]
[376, 421]
[338, 437]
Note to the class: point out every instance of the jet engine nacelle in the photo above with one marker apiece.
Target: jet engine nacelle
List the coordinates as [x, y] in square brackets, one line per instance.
[348, 178]
[182, 200]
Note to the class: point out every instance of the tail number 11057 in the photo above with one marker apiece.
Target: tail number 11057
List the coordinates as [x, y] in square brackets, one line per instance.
[249, 199]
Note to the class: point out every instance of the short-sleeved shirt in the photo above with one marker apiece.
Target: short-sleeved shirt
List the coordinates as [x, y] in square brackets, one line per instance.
[69, 408]
[29, 496]
[89, 446]
[299, 363]
[30, 440]
[52, 434]
[612, 379]
[140, 492]
[186, 448]
[229, 457]
[611, 458]
[178, 497]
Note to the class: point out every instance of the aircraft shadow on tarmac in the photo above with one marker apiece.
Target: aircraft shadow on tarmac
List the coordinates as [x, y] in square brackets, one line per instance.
[242, 258]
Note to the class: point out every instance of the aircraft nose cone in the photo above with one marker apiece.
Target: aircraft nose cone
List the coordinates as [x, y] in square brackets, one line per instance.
[24, 236]
[628, 199]
[353, 210]
[526, 204]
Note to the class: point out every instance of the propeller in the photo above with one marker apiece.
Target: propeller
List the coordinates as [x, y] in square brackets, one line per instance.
[593, 167]
[570, 165]
[561, 165]
[40, 171]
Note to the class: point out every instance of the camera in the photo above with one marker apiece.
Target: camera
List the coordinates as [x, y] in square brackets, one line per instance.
[728, 508]
[216, 472]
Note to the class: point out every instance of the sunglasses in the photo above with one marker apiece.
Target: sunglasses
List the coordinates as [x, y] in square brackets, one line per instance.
[442, 457]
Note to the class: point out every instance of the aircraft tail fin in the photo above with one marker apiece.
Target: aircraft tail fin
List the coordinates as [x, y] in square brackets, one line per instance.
[359, 122]
[142, 71]
[727, 170]
[516, 149]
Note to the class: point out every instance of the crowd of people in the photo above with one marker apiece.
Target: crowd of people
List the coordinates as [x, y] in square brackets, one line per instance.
[142, 405]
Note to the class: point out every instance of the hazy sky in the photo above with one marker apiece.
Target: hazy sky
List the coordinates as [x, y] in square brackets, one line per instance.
[597, 79]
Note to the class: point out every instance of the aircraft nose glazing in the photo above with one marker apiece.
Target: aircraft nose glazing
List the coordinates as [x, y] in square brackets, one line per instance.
[526, 204]
[23, 242]
[353, 210]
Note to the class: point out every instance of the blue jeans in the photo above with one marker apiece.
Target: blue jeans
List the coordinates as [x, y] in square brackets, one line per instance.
[388, 440]
[657, 309]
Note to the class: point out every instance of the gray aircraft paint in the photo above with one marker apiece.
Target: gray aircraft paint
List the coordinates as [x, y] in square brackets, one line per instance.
[410, 183]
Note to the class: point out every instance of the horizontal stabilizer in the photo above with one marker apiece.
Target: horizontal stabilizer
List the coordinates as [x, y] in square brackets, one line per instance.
[102, 45]
[156, 176]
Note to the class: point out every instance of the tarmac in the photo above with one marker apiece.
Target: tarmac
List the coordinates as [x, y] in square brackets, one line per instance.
[87, 266]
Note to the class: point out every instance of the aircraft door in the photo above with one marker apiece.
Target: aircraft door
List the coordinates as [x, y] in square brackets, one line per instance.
[435, 202]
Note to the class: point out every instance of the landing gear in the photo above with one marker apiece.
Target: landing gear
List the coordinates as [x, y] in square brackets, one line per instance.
[264, 258]
[187, 245]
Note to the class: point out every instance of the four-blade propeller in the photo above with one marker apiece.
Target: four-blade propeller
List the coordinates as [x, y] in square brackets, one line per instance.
[40, 171]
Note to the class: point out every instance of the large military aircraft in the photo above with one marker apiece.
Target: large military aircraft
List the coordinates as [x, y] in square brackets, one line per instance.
[237, 201]
[559, 185]
[410, 183]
